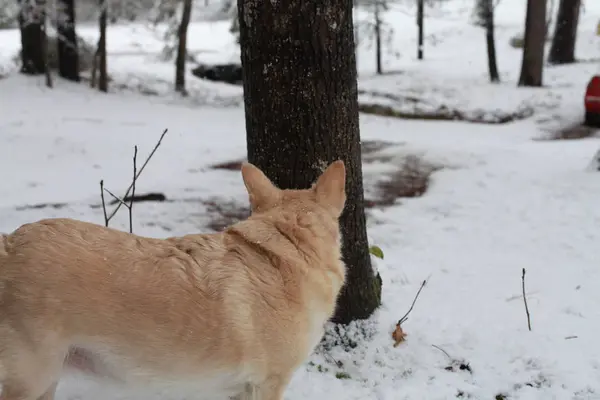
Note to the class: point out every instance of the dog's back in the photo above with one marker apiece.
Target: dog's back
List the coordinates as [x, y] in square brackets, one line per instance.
[235, 312]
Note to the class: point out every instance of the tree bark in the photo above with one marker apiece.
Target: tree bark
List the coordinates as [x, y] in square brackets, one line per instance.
[102, 67]
[31, 19]
[532, 66]
[68, 56]
[182, 47]
[491, 40]
[562, 49]
[301, 103]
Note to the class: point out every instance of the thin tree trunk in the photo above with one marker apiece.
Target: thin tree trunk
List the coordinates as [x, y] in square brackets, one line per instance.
[532, 66]
[301, 103]
[31, 17]
[44, 40]
[68, 56]
[420, 23]
[102, 67]
[182, 47]
[562, 49]
[491, 41]
[377, 6]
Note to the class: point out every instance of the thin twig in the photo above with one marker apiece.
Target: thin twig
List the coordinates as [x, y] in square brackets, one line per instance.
[443, 351]
[405, 317]
[133, 190]
[138, 174]
[525, 301]
[119, 200]
[103, 203]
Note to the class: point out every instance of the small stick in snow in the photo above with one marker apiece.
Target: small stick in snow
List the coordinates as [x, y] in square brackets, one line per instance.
[455, 364]
[136, 175]
[139, 173]
[525, 301]
[442, 350]
[399, 335]
[130, 208]
[405, 317]
[103, 203]
[117, 198]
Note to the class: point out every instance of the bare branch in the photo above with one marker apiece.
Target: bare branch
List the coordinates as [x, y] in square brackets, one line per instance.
[139, 173]
[525, 301]
[118, 199]
[443, 351]
[103, 203]
[133, 190]
[405, 317]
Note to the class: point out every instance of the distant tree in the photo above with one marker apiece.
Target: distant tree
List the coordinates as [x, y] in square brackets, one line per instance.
[420, 27]
[301, 104]
[484, 14]
[101, 57]
[182, 46]
[32, 15]
[379, 6]
[68, 55]
[45, 51]
[562, 49]
[532, 66]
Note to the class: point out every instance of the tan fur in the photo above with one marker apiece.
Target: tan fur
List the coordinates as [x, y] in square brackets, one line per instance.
[235, 312]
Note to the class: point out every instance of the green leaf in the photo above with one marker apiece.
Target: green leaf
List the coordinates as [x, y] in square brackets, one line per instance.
[376, 251]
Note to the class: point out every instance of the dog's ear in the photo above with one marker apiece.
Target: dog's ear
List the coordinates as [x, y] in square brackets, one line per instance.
[331, 188]
[261, 191]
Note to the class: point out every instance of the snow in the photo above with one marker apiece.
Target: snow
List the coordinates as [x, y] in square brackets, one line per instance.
[502, 201]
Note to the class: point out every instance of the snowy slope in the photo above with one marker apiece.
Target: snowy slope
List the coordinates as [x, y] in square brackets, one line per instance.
[502, 201]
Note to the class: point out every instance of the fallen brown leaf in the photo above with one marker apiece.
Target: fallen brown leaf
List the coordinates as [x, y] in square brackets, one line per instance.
[398, 335]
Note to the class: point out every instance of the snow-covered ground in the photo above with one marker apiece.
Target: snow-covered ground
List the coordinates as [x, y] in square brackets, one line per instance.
[502, 201]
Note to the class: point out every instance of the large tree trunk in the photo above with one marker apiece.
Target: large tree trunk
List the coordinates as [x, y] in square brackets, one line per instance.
[182, 46]
[562, 50]
[68, 57]
[301, 102]
[101, 59]
[533, 46]
[491, 41]
[31, 19]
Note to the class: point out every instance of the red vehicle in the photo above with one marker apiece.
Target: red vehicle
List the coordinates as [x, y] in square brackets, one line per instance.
[592, 102]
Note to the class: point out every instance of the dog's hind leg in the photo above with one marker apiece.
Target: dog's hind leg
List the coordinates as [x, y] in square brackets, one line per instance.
[31, 370]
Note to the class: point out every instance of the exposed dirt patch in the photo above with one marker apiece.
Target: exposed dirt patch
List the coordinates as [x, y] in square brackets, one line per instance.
[223, 213]
[448, 114]
[410, 180]
[368, 148]
[573, 132]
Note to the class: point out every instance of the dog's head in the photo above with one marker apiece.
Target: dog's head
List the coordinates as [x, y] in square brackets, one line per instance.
[327, 194]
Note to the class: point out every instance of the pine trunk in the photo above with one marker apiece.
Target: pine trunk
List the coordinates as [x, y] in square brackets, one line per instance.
[562, 50]
[68, 57]
[532, 66]
[300, 96]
